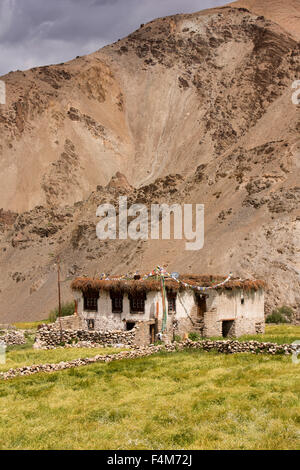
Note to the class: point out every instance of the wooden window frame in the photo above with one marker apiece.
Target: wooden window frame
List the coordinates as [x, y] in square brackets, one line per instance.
[137, 303]
[116, 298]
[90, 301]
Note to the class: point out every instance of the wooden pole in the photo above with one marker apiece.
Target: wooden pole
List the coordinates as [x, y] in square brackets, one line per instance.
[59, 296]
[164, 320]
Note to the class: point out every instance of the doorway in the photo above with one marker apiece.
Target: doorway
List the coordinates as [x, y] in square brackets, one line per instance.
[201, 306]
[130, 325]
[227, 328]
[152, 334]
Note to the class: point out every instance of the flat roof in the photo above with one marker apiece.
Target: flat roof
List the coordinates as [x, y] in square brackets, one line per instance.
[119, 283]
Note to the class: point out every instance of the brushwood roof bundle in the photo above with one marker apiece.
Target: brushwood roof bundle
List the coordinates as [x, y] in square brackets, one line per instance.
[131, 286]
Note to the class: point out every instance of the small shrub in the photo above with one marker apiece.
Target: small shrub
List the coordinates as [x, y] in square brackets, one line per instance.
[276, 317]
[282, 314]
[286, 311]
[193, 336]
[67, 309]
[177, 339]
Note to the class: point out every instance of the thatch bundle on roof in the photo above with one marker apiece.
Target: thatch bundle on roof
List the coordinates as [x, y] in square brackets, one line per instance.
[131, 286]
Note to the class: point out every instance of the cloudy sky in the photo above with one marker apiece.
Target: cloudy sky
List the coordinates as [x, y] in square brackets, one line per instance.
[40, 32]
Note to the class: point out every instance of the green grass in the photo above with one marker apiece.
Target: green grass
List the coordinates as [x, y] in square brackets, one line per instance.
[30, 325]
[67, 309]
[280, 334]
[24, 355]
[184, 400]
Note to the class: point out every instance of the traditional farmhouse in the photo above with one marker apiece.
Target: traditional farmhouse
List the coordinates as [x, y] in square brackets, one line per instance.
[202, 304]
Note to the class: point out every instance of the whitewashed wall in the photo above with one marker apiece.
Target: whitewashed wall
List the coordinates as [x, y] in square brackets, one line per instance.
[221, 305]
[229, 304]
[104, 318]
[185, 302]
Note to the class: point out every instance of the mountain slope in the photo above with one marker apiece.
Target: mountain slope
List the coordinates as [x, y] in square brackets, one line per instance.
[85, 120]
[286, 14]
[203, 97]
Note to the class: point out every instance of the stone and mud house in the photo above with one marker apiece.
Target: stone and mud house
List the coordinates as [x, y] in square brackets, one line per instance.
[233, 309]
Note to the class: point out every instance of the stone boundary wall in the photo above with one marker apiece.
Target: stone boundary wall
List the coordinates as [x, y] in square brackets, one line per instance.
[229, 347]
[50, 336]
[12, 337]
[70, 322]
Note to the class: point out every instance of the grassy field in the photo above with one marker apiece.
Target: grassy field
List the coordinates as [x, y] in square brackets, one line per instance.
[184, 400]
[277, 334]
[30, 325]
[280, 334]
[19, 356]
[25, 355]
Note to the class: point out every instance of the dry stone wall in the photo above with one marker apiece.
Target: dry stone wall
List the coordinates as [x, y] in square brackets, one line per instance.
[51, 336]
[71, 322]
[12, 337]
[229, 347]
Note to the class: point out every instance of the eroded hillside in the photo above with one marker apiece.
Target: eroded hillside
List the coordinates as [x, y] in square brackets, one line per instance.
[190, 108]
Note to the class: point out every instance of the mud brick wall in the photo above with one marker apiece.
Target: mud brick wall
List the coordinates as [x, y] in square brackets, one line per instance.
[176, 327]
[212, 327]
[142, 334]
[72, 322]
[248, 326]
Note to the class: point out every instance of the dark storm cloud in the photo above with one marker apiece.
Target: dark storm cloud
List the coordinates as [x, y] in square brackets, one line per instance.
[38, 32]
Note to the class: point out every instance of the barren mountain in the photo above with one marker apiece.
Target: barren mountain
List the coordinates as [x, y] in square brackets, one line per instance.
[286, 14]
[189, 108]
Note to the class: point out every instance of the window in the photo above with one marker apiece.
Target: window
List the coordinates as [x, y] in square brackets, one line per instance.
[91, 301]
[91, 324]
[171, 302]
[137, 303]
[116, 302]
